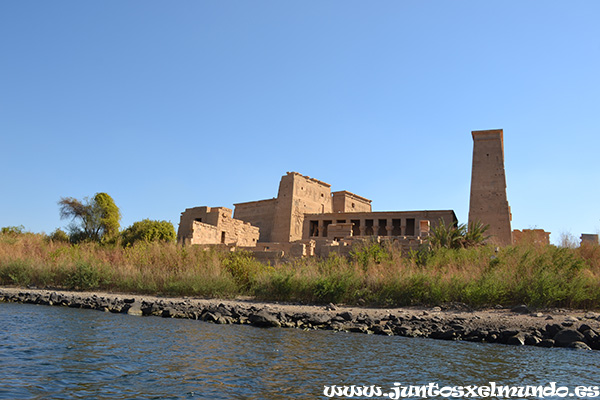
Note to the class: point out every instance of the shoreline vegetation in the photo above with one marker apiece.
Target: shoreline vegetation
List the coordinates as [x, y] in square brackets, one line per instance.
[540, 276]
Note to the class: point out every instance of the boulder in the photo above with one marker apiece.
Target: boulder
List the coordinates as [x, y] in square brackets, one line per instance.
[552, 330]
[578, 345]
[264, 319]
[521, 309]
[546, 343]
[532, 340]
[516, 340]
[346, 315]
[567, 336]
[318, 319]
[135, 309]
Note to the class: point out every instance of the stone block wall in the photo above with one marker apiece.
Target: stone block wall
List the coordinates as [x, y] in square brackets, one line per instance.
[488, 203]
[531, 236]
[258, 213]
[214, 225]
[297, 196]
[344, 201]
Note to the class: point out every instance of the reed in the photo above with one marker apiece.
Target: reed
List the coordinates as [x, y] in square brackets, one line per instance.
[540, 276]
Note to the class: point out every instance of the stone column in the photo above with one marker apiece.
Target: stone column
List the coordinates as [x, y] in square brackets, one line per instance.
[362, 228]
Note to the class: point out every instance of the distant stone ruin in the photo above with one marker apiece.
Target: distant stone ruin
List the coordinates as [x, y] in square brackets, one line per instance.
[531, 236]
[589, 238]
[489, 204]
[306, 219]
[214, 225]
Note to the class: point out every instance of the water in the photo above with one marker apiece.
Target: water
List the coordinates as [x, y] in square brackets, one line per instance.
[63, 353]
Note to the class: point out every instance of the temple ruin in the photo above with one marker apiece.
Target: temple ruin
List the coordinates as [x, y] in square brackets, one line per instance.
[307, 218]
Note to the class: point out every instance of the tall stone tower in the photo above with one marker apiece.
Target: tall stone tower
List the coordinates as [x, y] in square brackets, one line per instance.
[297, 196]
[489, 204]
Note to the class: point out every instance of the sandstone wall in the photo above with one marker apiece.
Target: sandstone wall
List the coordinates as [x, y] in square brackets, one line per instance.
[258, 213]
[531, 236]
[345, 201]
[488, 203]
[297, 196]
[206, 225]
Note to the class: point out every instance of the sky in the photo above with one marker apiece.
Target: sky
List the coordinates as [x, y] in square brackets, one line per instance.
[171, 105]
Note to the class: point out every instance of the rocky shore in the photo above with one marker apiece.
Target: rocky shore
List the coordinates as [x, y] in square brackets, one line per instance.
[516, 326]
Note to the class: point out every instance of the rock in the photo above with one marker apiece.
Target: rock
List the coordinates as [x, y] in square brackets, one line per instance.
[54, 298]
[168, 313]
[264, 319]
[436, 309]
[572, 319]
[506, 333]
[224, 311]
[567, 336]
[591, 315]
[318, 319]
[224, 320]
[331, 307]
[532, 340]
[516, 340]
[346, 315]
[521, 309]
[549, 317]
[579, 345]
[361, 302]
[135, 309]
[149, 308]
[552, 330]
[381, 330]
[592, 338]
[584, 327]
[457, 327]
[358, 328]
[546, 343]
[210, 317]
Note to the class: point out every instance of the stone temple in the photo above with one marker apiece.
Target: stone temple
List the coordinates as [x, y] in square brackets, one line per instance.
[307, 218]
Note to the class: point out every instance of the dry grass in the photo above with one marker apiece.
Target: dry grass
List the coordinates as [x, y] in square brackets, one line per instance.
[535, 275]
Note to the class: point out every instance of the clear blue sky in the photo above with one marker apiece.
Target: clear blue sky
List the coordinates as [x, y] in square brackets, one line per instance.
[168, 105]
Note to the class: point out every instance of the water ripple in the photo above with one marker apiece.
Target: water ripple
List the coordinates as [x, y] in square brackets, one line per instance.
[64, 353]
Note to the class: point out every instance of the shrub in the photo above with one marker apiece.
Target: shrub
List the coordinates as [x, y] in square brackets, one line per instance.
[85, 276]
[370, 252]
[13, 230]
[148, 231]
[58, 236]
[17, 272]
[243, 267]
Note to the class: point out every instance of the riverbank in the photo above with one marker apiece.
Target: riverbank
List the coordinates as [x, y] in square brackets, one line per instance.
[517, 326]
[376, 275]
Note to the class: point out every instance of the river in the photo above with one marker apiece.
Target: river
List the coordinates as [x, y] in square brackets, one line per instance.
[65, 353]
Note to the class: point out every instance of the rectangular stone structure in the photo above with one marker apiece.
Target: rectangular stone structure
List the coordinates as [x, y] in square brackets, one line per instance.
[489, 203]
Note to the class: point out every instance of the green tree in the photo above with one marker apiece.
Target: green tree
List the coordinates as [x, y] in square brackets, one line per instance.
[95, 219]
[149, 231]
